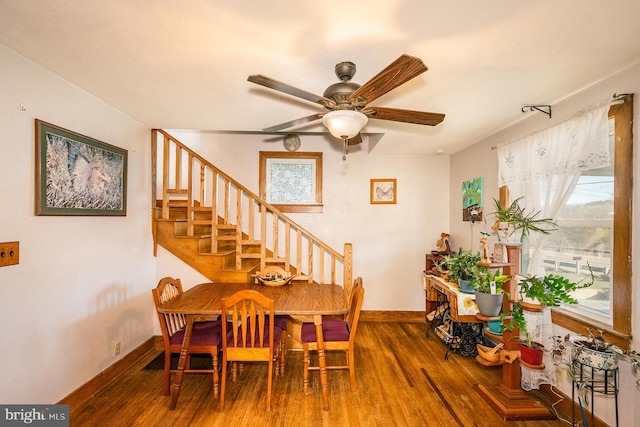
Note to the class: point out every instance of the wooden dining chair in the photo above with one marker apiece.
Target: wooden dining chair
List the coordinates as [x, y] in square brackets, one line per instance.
[338, 335]
[206, 337]
[282, 321]
[249, 337]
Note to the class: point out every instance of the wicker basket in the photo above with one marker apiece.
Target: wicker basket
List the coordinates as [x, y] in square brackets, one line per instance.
[272, 275]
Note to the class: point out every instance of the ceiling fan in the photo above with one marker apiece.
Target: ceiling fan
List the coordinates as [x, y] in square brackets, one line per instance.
[347, 102]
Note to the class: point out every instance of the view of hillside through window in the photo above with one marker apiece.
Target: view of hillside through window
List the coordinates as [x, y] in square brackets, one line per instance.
[585, 237]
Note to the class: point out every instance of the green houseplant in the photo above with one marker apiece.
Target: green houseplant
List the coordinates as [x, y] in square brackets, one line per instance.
[593, 351]
[514, 222]
[463, 267]
[488, 292]
[550, 290]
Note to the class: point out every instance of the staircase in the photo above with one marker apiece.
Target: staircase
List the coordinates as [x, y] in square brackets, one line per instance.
[223, 230]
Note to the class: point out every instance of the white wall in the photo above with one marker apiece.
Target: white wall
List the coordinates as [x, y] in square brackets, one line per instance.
[389, 241]
[480, 160]
[83, 283]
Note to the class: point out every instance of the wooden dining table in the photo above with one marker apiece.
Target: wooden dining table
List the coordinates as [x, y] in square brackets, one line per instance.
[301, 300]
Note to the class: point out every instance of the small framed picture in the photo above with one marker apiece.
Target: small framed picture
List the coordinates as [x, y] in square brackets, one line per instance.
[383, 191]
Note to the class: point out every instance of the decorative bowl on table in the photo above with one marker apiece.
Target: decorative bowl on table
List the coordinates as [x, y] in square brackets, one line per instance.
[274, 276]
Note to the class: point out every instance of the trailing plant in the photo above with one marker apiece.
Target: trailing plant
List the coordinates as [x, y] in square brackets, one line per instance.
[482, 283]
[594, 341]
[517, 319]
[522, 222]
[550, 290]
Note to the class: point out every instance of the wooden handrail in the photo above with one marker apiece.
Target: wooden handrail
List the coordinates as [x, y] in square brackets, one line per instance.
[202, 187]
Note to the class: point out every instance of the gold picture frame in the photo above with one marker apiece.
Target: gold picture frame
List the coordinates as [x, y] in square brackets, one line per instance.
[384, 191]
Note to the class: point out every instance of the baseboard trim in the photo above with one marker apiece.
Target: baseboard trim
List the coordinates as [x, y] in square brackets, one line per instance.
[392, 316]
[90, 388]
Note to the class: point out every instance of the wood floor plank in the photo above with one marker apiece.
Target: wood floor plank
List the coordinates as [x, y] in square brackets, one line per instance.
[403, 380]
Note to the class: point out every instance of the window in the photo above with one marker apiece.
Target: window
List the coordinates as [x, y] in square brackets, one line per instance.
[292, 182]
[595, 227]
[584, 238]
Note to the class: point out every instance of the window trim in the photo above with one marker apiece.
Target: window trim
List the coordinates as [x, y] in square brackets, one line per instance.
[620, 331]
[296, 157]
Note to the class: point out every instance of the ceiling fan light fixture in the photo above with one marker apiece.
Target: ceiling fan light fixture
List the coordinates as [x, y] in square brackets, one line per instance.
[344, 124]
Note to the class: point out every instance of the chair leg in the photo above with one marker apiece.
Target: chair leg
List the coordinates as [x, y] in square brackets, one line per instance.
[352, 369]
[216, 377]
[166, 384]
[276, 359]
[223, 381]
[269, 384]
[305, 357]
[234, 371]
[283, 351]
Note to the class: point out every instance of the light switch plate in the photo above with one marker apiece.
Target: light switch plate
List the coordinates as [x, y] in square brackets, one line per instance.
[9, 253]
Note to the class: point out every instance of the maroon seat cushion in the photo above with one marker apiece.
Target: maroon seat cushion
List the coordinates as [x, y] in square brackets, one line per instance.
[276, 330]
[204, 333]
[280, 321]
[332, 330]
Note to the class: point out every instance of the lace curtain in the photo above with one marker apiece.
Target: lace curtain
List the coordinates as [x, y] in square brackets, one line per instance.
[544, 169]
[545, 166]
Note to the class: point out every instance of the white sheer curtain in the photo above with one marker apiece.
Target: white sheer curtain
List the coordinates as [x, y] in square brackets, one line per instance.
[544, 168]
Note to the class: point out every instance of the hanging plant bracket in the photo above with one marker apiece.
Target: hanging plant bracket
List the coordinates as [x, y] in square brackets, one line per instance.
[546, 109]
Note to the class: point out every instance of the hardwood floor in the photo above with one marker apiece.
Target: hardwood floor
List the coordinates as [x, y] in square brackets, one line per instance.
[403, 380]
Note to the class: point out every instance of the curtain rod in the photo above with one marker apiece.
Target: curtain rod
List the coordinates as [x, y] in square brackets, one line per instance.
[616, 98]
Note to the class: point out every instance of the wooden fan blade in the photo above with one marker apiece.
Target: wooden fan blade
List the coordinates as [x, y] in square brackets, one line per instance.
[398, 72]
[291, 90]
[296, 122]
[406, 116]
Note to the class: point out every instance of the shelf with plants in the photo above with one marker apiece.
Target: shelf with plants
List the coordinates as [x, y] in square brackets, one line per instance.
[508, 398]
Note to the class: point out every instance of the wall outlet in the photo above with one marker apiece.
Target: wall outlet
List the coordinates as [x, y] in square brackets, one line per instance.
[9, 253]
[116, 349]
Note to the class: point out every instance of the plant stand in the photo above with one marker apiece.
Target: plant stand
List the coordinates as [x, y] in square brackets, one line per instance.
[508, 398]
[603, 381]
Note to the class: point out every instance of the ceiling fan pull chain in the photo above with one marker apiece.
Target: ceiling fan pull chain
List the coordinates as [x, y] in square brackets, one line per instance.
[346, 148]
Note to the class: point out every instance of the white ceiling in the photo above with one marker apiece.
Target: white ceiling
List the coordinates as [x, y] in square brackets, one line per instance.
[184, 64]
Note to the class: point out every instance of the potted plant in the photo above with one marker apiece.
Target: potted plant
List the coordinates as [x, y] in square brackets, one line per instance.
[594, 352]
[488, 292]
[550, 290]
[463, 267]
[513, 223]
[531, 351]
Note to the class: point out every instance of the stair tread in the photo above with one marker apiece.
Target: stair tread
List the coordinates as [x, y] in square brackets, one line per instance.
[201, 222]
[251, 256]
[226, 227]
